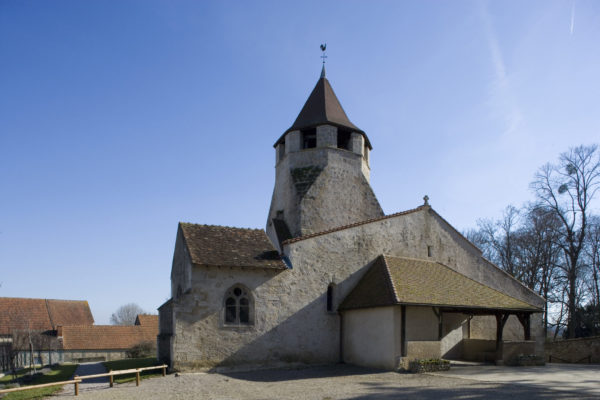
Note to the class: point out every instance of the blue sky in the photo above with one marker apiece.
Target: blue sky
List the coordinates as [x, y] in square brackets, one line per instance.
[120, 118]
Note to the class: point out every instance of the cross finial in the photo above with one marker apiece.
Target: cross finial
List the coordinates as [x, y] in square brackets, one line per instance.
[426, 200]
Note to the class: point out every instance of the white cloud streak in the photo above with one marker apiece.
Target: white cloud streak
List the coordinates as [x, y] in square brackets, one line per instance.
[572, 19]
[502, 99]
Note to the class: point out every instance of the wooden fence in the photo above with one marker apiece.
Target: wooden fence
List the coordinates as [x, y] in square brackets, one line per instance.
[78, 379]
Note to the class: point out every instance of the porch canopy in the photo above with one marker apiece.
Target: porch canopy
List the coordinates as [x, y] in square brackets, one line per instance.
[415, 282]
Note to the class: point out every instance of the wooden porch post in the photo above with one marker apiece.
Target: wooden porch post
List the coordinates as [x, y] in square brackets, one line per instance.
[525, 319]
[500, 321]
[439, 315]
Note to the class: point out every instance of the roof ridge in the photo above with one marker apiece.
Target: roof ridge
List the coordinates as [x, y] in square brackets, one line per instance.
[390, 280]
[354, 224]
[37, 298]
[222, 226]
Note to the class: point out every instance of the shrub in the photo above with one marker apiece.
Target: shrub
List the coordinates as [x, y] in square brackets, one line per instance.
[428, 365]
[142, 350]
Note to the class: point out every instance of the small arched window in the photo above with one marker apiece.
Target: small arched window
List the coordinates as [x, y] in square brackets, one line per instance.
[238, 306]
[330, 297]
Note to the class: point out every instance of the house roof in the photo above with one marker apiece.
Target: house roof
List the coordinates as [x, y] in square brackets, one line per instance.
[212, 245]
[42, 314]
[146, 319]
[323, 107]
[396, 280]
[106, 337]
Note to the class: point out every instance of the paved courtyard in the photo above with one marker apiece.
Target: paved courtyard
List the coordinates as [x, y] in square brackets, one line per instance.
[580, 378]
[347, 382]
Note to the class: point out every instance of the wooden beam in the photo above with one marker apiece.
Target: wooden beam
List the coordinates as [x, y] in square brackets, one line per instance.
[501, 319]
[525, 320]
[438, 313]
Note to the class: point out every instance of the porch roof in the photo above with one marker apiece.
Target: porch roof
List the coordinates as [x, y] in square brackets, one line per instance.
[396, 280]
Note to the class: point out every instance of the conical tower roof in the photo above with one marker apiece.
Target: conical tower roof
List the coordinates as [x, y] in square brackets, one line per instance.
[323, 108]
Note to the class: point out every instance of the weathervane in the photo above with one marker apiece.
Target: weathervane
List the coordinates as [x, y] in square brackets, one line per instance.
[323, 47]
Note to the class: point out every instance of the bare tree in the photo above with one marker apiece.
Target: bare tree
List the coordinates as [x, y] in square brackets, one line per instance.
[593, 258]
[126, 314]
[540, 254]
[500, 240]
[566, 190]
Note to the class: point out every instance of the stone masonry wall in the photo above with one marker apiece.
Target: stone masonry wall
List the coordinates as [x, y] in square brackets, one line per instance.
[582, 350]
[181, 279]
[315, 206]
[292, 324]
[408, 235]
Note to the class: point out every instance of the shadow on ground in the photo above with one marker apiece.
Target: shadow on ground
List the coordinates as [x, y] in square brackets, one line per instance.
[474, 392]
[280, 375]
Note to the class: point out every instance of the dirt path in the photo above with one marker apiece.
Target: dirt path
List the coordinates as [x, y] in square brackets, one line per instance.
[323, 383]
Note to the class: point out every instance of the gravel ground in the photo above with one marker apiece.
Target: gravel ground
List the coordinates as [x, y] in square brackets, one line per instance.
[319, 383]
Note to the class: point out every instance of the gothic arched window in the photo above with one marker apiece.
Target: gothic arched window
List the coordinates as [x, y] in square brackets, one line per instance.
[238, 306]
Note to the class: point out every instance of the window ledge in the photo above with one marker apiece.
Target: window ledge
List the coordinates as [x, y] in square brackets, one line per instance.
[240, 328]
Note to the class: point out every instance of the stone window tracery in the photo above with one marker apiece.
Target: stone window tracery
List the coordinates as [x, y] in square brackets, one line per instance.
[238, 306]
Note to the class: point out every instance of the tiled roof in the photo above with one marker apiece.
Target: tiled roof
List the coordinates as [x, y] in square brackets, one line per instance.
[396, 280]
[213, 245]
[106, 337]
[323, 107]
[41, 314]
[146, 320]
[341, 228]
[67, 312]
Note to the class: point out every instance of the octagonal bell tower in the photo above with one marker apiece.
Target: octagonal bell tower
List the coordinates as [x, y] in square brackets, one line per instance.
[321, 171]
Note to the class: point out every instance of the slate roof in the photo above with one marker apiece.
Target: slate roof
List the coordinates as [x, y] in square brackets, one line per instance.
[323, 107]
[42, 314]
[396, 280]
[212, 245]
[106, 337]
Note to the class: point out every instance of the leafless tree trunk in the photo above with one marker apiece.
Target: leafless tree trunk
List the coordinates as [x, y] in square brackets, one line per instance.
[566, 189]
[593, 256]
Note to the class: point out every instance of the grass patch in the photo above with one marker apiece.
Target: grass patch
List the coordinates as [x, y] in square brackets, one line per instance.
[8, 377]
[130, 363]
[58, 373]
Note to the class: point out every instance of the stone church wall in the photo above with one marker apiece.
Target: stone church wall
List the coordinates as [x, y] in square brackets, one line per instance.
[181, 279]
[291, 323]
[341, 254]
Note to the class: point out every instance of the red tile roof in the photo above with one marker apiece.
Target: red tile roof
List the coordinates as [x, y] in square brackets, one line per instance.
[107, 337]
[213, 245]
[42, 314]
[146, 320]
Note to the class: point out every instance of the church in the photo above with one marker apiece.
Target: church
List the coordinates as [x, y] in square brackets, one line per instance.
[332, 278]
